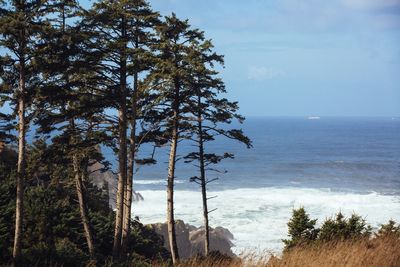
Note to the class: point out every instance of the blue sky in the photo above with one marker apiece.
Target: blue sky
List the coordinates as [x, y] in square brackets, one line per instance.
[304, 57]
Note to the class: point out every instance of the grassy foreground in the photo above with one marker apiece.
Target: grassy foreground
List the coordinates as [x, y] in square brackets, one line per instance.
[382, 251]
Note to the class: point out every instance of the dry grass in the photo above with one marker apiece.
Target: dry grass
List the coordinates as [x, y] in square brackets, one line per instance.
[382, 252]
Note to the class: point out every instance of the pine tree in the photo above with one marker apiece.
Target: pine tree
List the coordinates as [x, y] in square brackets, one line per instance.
[340, 228]
[301, 229]
[388, 229]
[143, 21]
[114, 29]
[19, 25]
[169, 79]
[210, 112]
[67, 100]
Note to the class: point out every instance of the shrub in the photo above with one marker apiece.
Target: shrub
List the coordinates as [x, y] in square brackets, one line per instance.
[342, 228]
[69, 254]
[389, 229]
[52, 228]
[301, 229]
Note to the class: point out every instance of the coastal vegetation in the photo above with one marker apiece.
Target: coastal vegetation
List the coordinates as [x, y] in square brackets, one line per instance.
[118, 75]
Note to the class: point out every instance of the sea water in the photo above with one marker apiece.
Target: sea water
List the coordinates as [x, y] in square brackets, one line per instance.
[327, 165]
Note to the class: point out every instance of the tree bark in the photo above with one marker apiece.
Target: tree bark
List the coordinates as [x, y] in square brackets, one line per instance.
[171, 176]
[203, 183]
[21, 163]
[80, 191]
[122, 154]
[130, 168]
[122, 157]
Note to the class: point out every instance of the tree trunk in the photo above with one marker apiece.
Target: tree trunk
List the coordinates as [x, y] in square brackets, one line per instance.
[80, 191]
[122, 154]
[203, 183]
[131, 164]
[171, 176]
[21, 164]
[122, 157]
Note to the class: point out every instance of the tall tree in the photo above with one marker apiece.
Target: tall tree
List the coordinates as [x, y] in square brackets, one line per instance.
[170, 79]
[19, 25]
[210, 113]
[68, 100]
[113, 25]
[143, 21]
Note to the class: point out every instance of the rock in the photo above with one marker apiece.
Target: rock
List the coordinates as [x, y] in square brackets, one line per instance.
[220, 240]
[107, 178]
[190, 239]
[182, 234]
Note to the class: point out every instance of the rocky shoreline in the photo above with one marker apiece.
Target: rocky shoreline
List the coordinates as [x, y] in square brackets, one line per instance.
[190, 238]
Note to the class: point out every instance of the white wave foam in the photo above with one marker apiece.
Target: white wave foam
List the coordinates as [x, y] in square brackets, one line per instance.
[156, 182]
[258, 217]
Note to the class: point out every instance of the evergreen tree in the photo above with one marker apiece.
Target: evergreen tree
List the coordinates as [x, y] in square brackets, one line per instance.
[108, 20]
[143, 21]
[210, 113]
[341, 228]
[68, 100]
[301, 229]
[52, 233]
[390, 228]
[170, 79]
[20, 23]
[116, 27]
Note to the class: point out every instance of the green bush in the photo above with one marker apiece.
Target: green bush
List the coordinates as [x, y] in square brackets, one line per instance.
[52, 229]
[302, 230]
[69, 254]
[342, 228]
[389, 229]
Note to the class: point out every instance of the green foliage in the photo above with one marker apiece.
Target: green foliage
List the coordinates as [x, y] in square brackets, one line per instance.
[20, 24]
[71, 69]
[342, 228]
[301, 229]
[53, 234]
[7, 209]
[389, 229]
[68, 253]
[145, 241]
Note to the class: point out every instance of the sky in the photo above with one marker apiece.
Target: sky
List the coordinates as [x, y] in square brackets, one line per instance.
[303, 57]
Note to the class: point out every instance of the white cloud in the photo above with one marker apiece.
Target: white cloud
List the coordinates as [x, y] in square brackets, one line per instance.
[263, 73]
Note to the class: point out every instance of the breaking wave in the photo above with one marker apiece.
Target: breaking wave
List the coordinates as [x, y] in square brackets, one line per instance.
[258, 217]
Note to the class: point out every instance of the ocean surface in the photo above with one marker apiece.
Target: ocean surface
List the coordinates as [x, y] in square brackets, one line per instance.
[327, 165]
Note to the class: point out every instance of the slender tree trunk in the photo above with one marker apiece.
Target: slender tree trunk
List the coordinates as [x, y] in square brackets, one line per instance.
[131, 164]
[19, 210]
[171, 176]
[122, 157]
[80, 191]
[122, 154]
[203, 183]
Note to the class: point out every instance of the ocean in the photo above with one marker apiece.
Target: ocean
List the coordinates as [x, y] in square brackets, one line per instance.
[326, 165]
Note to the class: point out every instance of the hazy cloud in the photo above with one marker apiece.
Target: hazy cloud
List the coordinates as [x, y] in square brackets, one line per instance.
[263, 73]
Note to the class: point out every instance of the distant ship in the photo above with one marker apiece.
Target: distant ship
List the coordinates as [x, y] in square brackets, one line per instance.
[314, 118]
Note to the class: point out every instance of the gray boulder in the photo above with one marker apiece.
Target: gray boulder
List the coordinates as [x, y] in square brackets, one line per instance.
[190, 239]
